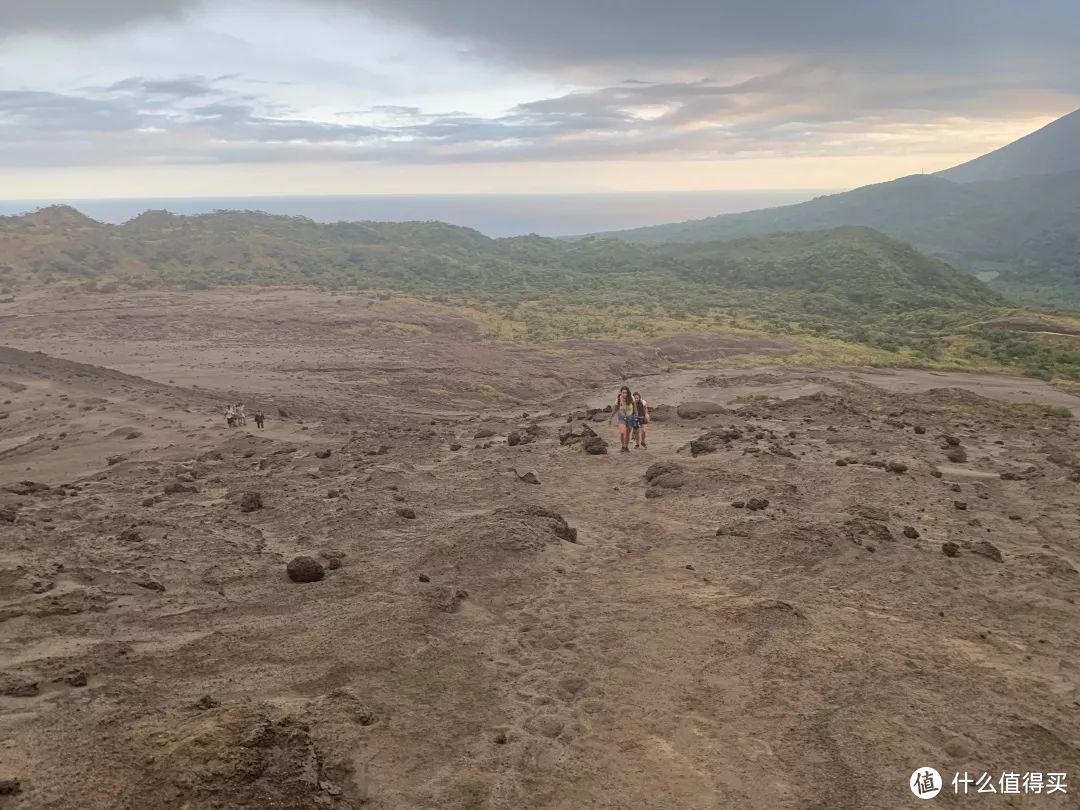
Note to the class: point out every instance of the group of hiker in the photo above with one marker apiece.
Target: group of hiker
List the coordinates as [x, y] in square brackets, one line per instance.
[236, 416]
[631, 414]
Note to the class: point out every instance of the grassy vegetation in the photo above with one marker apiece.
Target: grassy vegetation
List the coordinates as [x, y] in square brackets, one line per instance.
[846, 295]
[1022, 233]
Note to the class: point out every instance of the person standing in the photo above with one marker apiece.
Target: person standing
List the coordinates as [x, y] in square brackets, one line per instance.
[260, 419]
[230, 416]
[641, 412]
[624, 417]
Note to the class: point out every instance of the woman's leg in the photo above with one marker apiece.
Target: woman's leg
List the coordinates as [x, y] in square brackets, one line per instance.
[641, 434]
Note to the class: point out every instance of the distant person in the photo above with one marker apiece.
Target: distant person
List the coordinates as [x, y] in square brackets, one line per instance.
[641, 414]
[260, 419]
[624, 417]
[230, 416]
[241, 416]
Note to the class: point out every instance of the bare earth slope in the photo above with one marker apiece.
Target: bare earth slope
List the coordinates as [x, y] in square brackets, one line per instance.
[621, 634]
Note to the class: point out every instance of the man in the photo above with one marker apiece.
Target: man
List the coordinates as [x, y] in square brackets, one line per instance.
[641, 411]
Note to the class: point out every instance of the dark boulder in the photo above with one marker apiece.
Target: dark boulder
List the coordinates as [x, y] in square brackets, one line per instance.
[957, 455]
[305, 569]
[251, 502]
[594, 446]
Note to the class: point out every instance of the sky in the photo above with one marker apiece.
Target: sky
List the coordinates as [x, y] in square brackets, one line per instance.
[168, 98]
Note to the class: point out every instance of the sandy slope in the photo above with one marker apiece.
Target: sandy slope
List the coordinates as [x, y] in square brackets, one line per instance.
[678, 652]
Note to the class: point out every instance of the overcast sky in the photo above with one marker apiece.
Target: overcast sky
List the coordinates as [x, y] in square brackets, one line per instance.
[137, 98]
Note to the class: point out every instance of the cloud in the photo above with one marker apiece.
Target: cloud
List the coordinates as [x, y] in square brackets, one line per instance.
[83, 16]
[685, 79]
[644, 34]
[196, 119]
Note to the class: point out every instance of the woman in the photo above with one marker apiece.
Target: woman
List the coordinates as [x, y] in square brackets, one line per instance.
[623, 414]
[641, 412]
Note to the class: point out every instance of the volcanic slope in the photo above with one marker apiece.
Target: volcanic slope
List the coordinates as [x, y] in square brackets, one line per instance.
[620, 633]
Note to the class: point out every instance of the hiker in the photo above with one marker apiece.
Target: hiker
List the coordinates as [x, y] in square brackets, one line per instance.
[623, 414]
[241, 417]
[260, 419]
[230, 416]
[641, 414]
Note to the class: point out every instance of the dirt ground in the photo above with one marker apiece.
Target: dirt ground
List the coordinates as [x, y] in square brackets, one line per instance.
[809, 584]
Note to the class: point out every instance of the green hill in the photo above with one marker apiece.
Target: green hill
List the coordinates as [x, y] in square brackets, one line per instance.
[1011, 216]
[854, 285]
[858, 265]
[1022, 234]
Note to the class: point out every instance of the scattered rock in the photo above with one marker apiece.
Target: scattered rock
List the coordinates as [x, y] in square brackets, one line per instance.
[757, 504]
[179, 488]
[425, 578]
[484, 433]
[455, 446]
[405, 512]
[665, 474]
[207, 702]
[112, 461]
[961, 505]
[951, 441]
[920, 430]
[1015, 517]
[738, 504]
[572, 434]
[284, 414]
[22, 690]
[251, 502]
[696, 410]
[897, 467]
[76, 679]
[8, 515]
[957, 455]
[529, 478]
[911, 533]
[324, 453]
[950, 549]
[987, 549]
[27, 488]
[9, 787]
[305, 569]
[841, 463]
[513, 438]
[150, 584]
[594, 446]
[130, 535]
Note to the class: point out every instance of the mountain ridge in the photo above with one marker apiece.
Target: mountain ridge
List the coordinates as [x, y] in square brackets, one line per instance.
[1053, 149]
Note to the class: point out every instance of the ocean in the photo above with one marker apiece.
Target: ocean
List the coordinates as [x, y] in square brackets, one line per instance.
[491, 214]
